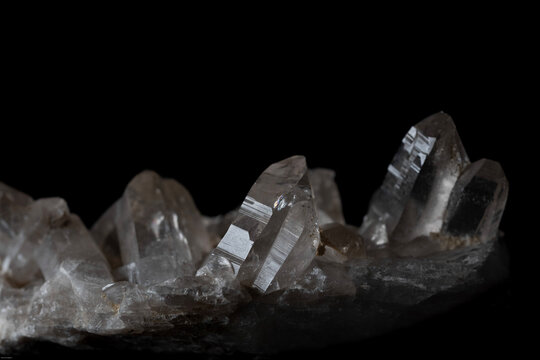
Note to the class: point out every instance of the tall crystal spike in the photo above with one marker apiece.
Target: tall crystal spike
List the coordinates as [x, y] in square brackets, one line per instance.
[159, 228]
[477, 202]
[327, 196]
[414, 195]
[275, 235]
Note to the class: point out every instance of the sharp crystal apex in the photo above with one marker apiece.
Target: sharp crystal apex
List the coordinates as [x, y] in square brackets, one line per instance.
[274, 237]
[284, 262]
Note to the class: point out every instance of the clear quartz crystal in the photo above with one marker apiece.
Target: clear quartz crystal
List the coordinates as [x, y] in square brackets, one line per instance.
[16, 260]
[73, 268]
[327, 196]
[438, 214]
[414, 195]
[158, 228]
[477, 202]
[274, 236]
[106, 237]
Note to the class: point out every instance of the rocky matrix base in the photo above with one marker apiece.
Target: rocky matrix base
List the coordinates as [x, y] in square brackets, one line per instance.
[283, 271]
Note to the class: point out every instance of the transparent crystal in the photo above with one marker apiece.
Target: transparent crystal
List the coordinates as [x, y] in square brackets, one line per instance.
[477, 202]
[158, 229]
[327, 196]
[414, 195]
[432, 231]
[274, 236]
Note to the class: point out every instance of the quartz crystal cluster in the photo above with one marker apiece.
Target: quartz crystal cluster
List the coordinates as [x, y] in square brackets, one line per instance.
[283, 270]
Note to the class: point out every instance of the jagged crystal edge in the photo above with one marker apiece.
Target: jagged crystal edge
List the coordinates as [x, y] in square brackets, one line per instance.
[135, 272]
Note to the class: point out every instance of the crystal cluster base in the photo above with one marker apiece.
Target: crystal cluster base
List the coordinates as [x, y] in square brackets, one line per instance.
[282, 271]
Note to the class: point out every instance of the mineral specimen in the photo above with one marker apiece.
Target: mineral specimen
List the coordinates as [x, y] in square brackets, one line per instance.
[274, 236]
[283, 271]
[159, 230]
[414, 195]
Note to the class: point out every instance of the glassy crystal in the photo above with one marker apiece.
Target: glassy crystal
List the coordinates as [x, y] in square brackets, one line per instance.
[432, 243]
[327, 196]
[414, 195]
[106, 237]
[217, 226]
[274, 236]
[17, 263]
[159, 229]
[477, 202]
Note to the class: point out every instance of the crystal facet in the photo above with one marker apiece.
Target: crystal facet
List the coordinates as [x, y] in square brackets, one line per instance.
[327, 196]
[274, 236]
[282, 271]
[158, 227]
[414, 195]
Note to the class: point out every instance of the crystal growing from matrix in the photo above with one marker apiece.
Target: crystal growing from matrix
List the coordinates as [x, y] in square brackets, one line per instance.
[477, 202]
[414, 195]
[274, 236]
[284, 271]
[160, 232]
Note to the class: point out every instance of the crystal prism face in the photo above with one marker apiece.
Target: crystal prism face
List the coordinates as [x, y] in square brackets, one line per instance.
[15, 253]
[158, 228]
[283, 263]
[274, 237]
[414, 195]
[327, 198]
[61, 241]
[477, 202]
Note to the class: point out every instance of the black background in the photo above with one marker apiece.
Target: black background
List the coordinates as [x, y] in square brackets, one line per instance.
[83, 114]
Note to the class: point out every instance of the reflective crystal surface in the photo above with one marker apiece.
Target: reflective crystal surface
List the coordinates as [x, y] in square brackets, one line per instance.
[477, 202]
[17, 263]
[327, 198]
[274, 237]
[158, 228]
[414, 196]
[284, 271]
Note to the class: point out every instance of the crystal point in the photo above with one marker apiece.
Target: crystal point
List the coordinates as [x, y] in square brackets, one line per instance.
[414, 195]
[158, 228]
[274, 237]
[327, 196]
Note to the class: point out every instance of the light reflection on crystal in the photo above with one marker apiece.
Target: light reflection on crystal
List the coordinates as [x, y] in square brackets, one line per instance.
[429, 231]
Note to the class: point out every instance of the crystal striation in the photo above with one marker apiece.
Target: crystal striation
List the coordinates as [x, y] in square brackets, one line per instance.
[274, 236]
[414, 196]
[284, 271]
[160, 232]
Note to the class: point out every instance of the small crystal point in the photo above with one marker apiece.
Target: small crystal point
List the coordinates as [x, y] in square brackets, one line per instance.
[414, 195]
[159, 229]
[274, 237]
[327, 196]
[477, 202]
